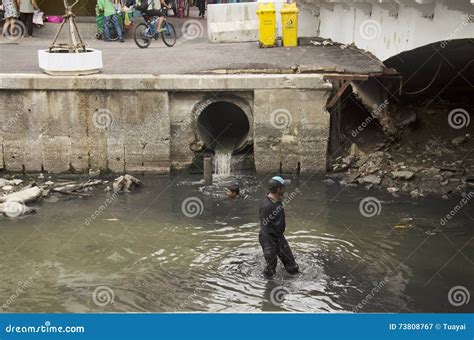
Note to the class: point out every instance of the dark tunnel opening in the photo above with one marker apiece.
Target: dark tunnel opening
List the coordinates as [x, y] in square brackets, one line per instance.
[223, 126]
[443, 69]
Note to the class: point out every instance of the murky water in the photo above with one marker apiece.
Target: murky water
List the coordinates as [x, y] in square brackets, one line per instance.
[177, 246]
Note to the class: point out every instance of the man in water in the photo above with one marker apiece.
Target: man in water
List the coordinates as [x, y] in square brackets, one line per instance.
[272, 229]
[232, 191]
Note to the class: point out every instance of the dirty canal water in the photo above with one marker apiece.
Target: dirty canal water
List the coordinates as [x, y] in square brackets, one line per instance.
[175, 245]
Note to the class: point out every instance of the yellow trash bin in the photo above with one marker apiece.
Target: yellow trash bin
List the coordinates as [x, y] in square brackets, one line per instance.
[289, 23]
[267, 25]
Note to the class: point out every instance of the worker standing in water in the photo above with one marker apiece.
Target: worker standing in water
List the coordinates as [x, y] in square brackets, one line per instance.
[272, 229]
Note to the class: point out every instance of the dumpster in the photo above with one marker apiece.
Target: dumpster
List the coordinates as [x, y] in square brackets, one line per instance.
[267, 25]
[289, 24]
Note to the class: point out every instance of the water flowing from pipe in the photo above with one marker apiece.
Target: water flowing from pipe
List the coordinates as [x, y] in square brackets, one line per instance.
[222, 160]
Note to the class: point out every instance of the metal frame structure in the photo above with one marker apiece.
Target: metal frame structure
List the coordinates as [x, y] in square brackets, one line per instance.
[75, 44]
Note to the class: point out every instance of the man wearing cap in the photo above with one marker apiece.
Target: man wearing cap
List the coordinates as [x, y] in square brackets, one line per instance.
[272, 229]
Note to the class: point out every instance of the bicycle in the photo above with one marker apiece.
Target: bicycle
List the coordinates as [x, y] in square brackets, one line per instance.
[146, 32]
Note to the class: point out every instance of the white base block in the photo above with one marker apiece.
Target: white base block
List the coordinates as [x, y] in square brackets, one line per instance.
[89, 62]
[235, 31]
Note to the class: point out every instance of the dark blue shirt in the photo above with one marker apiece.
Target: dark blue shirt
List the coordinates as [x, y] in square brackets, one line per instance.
[272, 217]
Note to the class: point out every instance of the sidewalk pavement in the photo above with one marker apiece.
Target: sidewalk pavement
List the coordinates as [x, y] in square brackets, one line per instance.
[192, 54]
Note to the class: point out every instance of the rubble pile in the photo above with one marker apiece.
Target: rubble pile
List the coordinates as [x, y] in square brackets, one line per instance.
[17, 194]
[428, 172]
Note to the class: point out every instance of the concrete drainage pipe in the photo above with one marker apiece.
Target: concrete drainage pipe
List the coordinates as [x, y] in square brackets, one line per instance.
[223, 125]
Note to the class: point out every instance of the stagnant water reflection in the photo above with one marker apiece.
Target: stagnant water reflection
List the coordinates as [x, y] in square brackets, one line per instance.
[143, 254]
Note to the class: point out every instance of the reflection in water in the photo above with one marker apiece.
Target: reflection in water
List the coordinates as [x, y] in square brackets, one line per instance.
[155, 259]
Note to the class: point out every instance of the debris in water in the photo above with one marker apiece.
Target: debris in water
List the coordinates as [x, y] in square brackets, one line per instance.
[125, 183]
[405, 223]
[24, 196]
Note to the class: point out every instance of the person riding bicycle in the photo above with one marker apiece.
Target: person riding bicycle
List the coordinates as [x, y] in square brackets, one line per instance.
[147, 8]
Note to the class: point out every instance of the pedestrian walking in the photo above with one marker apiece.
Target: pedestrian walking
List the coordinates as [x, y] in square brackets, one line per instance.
[11, 13]
[27, 9]
[201, 4]
[272, 229]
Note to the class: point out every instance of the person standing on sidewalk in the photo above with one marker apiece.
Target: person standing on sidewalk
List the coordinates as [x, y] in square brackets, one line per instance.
[201, 4]
[27, 9]
[108, 8]
[11, 13]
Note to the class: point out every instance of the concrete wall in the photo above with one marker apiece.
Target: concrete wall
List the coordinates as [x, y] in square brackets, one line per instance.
[60, 131]
[385, 28]
[291, 127]
[148, 124]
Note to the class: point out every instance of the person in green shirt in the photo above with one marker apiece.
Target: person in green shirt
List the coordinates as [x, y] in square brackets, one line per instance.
[108, 8]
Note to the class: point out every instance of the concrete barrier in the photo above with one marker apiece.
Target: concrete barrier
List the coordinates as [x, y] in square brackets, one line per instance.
[232, 22]
[238, 22]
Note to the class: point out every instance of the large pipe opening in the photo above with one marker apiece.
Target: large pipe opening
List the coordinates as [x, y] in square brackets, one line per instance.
[223, 126]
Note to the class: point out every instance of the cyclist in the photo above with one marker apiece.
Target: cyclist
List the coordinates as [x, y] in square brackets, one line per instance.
[147, 8]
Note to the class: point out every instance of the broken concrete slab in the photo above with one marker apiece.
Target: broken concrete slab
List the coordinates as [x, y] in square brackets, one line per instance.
[24, 196]
[371, 179]
[403, 174]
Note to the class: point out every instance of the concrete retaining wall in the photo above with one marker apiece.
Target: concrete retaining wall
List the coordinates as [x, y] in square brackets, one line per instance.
[147, 123]
[392, 27]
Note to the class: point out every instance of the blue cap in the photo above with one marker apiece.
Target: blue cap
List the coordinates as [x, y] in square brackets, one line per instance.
[278, 180]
